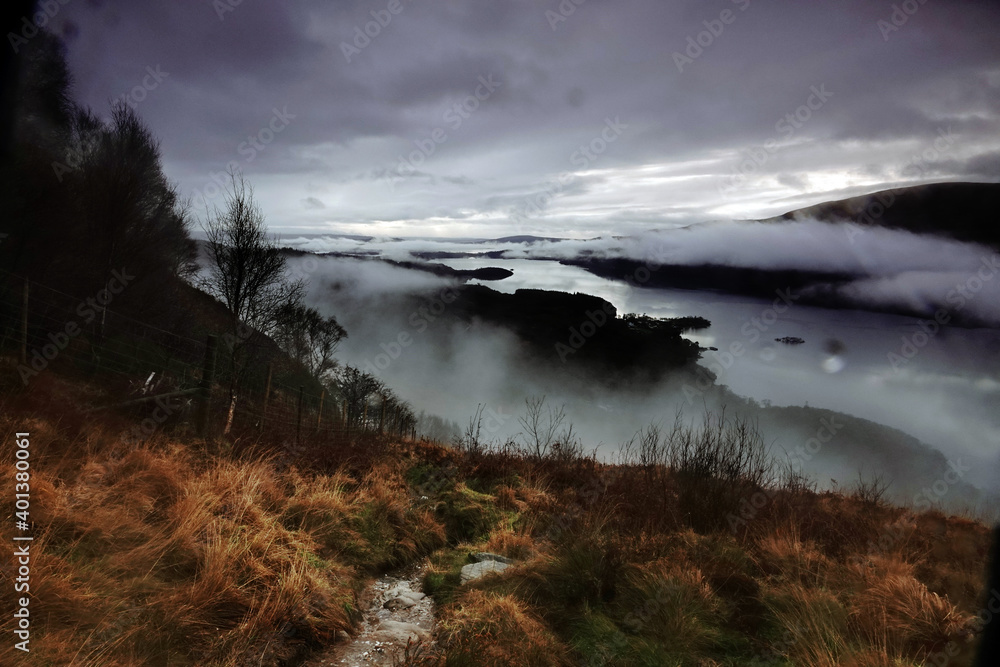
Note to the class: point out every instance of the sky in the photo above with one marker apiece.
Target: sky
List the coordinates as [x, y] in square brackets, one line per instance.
[575, 119]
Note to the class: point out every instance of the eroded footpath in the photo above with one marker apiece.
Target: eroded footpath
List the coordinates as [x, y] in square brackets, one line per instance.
[395, 612]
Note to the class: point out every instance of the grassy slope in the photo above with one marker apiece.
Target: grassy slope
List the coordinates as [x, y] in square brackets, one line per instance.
[964, 211]
[159, 553]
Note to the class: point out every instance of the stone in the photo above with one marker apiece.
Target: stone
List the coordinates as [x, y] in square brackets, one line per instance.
[394, 632]
[474, 571]
[406, 592]
[483, 556]
[402, 597]
[397, 603]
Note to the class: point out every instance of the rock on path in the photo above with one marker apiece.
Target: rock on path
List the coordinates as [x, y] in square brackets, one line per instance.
[484, 563]
[395, 611]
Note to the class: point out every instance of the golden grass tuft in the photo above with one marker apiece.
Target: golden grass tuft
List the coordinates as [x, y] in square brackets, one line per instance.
[813, 622]
[900, 611]
[488, 630]
[671, 601]
[782, 553]
[513, 543]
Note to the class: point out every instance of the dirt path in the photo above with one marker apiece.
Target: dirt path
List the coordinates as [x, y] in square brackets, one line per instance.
[395, 611]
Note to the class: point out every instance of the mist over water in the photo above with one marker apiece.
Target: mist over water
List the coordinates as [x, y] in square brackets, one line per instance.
[945, 393]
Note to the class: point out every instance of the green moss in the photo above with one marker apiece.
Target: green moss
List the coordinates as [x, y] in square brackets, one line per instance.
[430, 480]
[378, 547]
[316, 562]
[444, 576]
[467, 514]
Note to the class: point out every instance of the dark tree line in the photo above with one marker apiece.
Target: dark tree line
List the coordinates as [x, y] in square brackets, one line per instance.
[83, 195]
[370, 406]
[309, 338]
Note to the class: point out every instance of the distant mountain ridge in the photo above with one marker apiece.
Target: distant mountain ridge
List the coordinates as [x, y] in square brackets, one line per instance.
[526, 238]
[962, 211]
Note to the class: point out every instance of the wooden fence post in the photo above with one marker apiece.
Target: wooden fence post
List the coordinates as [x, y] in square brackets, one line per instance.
[319, 413]
[298, 421]
[381, 416]
[207, 379]
[267, 395]
[24, 325]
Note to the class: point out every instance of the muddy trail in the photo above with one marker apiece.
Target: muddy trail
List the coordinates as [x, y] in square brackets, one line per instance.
[395, 612]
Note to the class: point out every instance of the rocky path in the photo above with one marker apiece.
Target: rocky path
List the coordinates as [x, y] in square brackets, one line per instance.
[395, 612]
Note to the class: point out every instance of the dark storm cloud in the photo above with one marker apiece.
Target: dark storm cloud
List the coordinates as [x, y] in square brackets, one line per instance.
[984, 166]
[360, 103]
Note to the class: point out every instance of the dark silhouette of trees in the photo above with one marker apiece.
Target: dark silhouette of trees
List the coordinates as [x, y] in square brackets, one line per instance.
[357, 390]
[370, 406]
[41, 113]
[247, 274]
[85, 196]
[309, 338]
[246, 268]
[129, 216]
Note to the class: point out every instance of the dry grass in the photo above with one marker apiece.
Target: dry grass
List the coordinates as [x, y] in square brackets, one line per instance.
[489, 630]
[906, 617]
[816, 579]
[161, 554]
[158, 554]
[671, 601]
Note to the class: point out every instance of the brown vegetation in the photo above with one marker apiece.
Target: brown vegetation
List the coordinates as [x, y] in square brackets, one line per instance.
[172, 552]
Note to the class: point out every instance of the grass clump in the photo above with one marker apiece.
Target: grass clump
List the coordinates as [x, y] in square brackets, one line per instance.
[490, 630]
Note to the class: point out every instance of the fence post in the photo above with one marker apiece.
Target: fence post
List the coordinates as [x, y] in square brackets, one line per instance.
[319, 414]
[24, 325]
[298, 421]
[381, 417]
[207, 379]
[267, 395]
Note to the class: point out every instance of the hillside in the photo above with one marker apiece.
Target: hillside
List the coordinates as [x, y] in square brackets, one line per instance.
[962, 211]
[171, 551]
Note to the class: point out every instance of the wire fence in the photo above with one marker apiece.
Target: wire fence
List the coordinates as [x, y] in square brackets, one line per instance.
[210, 385]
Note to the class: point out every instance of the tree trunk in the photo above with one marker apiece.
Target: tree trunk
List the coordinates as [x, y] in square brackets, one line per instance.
[232, 411]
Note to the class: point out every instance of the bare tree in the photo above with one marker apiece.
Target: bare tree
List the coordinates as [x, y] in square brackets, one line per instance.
[309, 338]
[541, 430]
[247, 273]
[471, 441]
[870, 489]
